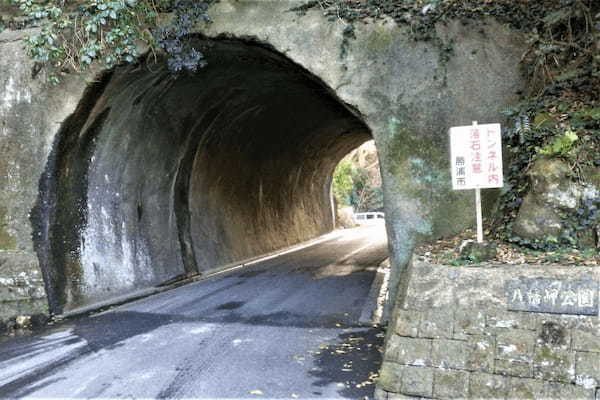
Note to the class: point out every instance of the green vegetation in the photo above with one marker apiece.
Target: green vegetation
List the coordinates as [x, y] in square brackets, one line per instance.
[447, 251]
[559, 117]
[76, 34]
[560, 146]
[563, 129]
[343, 184]
[366, 194]
[354, 186]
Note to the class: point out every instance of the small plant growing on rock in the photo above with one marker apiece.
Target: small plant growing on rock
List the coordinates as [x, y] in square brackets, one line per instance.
[560, 146]
[74, 35]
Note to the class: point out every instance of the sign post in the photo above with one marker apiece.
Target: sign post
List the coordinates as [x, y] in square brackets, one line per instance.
[479, 216]
[476, 162]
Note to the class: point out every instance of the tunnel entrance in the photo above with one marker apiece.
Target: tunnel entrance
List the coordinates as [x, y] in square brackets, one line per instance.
[157, 176]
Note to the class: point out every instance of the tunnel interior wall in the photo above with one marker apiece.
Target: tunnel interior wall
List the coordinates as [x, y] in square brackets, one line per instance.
[409, 93]
[158, 176]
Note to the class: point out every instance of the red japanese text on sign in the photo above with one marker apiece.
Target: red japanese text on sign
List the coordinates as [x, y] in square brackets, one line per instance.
[476, 152]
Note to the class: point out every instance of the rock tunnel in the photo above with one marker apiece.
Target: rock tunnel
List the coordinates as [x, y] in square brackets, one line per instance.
[157, 176]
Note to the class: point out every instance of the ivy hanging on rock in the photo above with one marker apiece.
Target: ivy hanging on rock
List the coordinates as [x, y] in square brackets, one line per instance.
[73, 35]
[559, 120]
[553, 128]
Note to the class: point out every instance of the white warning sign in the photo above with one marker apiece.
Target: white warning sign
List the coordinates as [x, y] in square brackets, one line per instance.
[476, 157]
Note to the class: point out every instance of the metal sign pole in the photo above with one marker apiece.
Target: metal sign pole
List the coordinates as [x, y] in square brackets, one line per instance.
[478, 207]
[479, 219]
[476, 161]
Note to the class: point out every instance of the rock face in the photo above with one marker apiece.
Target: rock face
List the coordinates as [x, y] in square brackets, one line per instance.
[144, 177]
[477, 252]
[553, 193]
[345, 218]
[30, 115]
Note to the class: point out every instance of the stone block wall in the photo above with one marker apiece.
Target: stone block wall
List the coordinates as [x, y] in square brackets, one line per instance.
[453, 337]
[21, 286]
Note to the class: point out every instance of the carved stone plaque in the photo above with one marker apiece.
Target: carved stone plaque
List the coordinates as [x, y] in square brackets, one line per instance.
[552, 296]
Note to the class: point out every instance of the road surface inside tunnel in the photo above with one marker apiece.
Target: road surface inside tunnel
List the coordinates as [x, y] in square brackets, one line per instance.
[287, 327]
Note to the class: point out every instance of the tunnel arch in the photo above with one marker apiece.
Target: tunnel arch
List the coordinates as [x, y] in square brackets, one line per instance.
[158, 176]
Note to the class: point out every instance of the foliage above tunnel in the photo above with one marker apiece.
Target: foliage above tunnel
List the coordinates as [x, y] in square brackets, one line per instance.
[77, 33]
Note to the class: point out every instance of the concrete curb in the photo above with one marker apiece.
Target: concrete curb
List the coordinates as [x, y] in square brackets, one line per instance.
[370, 314]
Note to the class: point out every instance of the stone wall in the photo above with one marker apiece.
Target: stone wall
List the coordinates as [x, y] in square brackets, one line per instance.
[453, 336]
[31, 113]
[21, 286]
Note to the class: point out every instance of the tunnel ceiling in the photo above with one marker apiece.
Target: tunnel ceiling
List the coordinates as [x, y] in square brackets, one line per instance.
[157, 176]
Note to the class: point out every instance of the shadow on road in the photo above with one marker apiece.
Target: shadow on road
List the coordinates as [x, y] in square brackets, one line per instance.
[351, 363]
[86, 335]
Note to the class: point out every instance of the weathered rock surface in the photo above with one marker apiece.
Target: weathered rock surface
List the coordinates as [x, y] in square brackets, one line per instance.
[30, 114]
[21, 285]
[477, 252]
[345, 217]
[553, 192]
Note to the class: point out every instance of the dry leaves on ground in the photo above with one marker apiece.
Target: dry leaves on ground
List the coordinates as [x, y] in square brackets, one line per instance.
[446, 251]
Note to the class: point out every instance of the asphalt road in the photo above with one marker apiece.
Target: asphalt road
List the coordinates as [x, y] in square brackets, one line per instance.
[286, 328]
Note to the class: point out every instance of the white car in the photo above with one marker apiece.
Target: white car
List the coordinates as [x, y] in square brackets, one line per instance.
[369, 218]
